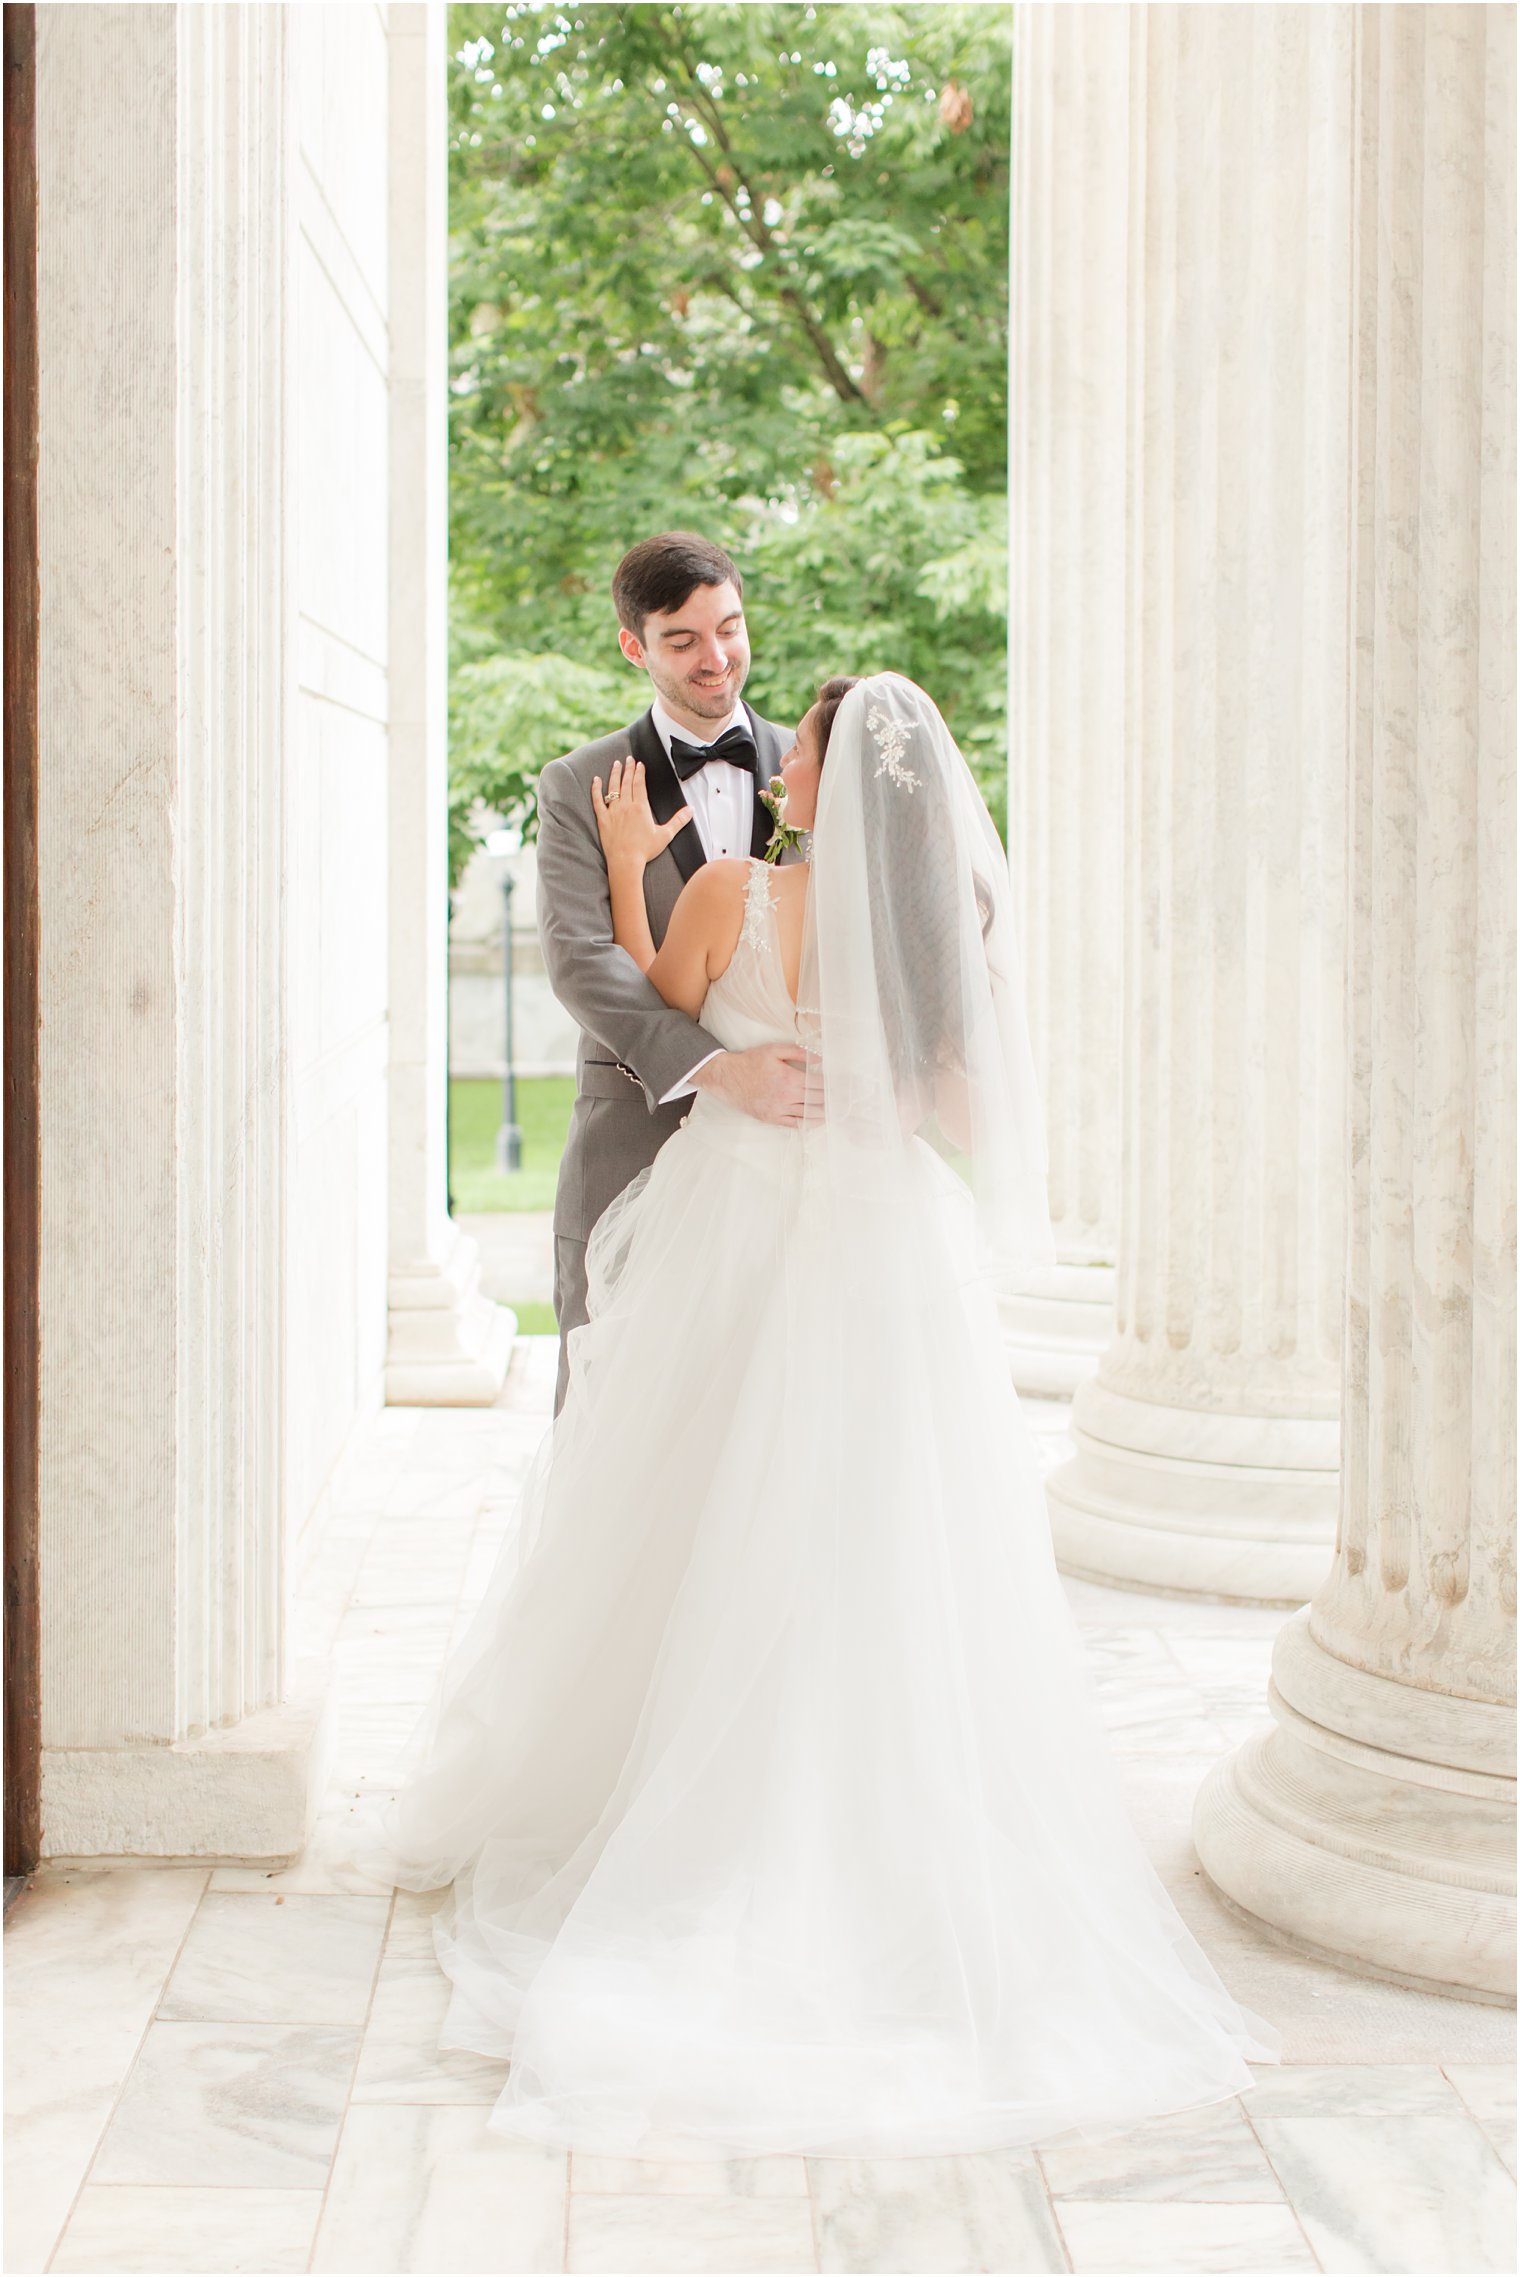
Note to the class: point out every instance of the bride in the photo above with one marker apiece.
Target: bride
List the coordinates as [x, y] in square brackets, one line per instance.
[768, 1777]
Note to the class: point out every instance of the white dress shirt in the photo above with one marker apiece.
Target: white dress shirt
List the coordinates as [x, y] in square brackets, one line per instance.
[721, 796]
[722, 801]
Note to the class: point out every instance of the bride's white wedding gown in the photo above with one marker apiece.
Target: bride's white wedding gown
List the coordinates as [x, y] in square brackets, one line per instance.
[769, 1774]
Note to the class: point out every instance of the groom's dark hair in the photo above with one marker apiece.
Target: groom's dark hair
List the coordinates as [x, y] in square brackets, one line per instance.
[658, 574]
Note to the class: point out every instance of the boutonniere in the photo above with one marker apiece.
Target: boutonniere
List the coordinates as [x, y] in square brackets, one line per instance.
[774, 796]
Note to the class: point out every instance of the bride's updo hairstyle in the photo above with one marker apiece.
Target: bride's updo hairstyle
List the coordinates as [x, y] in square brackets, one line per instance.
[829, 698]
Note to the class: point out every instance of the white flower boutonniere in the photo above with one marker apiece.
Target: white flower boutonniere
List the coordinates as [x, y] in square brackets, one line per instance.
[774, 796]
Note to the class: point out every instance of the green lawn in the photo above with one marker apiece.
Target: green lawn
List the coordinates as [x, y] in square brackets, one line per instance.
[543, 1116]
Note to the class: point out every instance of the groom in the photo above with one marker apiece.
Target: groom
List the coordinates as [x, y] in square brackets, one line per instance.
[680, 607]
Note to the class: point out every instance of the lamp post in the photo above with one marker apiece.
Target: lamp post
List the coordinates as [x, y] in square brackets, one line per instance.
[508, 1135]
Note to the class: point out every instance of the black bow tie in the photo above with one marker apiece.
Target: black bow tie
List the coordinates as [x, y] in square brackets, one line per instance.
[736, 745]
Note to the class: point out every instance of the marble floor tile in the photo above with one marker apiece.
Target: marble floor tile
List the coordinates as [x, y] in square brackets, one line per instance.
[1158, 1715]
[1488, 2090]
[636, 2232]
[414, 1561]
[384, 1584]
[87, 1953]
[346, 1812]
[983, 2211]
[442, 1432]
[1350, 2091]
[404, 1580]
[253, 2106]
[418, 1905]
[383, 1669]
[234, 2118]
[310, 1875]
[1096, 1606]
[688, 2177]
[120, 2227]
[438, 1491]
[369, 1739]
[399, 2057]
[1424, 2195]
[1138, 1649]
[429, 2188]
[1115, 2238]
[1206, 2155]
[271, 1958]
[408, 1625]
[1232, 1673]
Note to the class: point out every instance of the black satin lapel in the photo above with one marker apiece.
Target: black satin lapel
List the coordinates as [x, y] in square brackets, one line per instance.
[768, 755]
[666, 795]
[763, 828]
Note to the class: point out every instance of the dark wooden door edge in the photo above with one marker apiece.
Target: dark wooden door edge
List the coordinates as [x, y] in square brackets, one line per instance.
[22, 1202]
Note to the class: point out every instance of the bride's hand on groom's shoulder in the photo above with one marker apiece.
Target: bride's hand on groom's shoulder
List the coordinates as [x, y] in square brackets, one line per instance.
[629, 832]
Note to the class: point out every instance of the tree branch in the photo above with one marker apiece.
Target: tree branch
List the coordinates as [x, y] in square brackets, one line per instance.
[750, 219]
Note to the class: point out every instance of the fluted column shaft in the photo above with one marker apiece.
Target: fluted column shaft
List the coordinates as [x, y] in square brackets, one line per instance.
[1376, 1820]
[1207, 1444]
[448, 1345]
[1066, 649]
[169, 1725]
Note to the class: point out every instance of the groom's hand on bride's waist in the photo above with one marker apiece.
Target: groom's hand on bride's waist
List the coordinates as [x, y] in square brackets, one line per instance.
[776, 1083]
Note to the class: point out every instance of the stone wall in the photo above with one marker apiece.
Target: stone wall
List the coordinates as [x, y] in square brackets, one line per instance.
[242, 286]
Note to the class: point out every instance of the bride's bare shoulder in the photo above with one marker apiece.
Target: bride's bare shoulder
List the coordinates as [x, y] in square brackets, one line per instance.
[717, 886]
[710, 911]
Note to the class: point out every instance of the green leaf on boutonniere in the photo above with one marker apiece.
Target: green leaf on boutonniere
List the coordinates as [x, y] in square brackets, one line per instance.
[774, 796]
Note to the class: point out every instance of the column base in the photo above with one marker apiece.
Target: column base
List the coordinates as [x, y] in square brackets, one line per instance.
[450, 1345]
[1239, 1509]
[1391, 1864]
[1057, 1326]
[246, 1794]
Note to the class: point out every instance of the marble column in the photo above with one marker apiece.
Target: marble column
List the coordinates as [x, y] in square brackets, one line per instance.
[1207, 1443]
[168, 1727]
[1374, 1822]
[1066, 650]
[448, 1344]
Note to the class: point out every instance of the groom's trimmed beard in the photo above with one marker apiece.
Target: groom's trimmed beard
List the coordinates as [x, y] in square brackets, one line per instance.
[703, 699]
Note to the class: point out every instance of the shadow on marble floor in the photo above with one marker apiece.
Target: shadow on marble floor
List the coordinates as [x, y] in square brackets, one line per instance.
[217, 2068]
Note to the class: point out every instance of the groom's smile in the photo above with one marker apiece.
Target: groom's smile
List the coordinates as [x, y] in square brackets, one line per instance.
[697, 656]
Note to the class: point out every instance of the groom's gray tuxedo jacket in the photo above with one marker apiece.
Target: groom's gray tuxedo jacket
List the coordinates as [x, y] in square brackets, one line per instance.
[633, 1047]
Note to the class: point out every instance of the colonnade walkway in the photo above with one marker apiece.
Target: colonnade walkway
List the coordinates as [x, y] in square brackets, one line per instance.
[217, 2068]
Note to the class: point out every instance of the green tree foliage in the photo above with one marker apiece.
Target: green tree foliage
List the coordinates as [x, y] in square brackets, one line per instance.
[737, 268]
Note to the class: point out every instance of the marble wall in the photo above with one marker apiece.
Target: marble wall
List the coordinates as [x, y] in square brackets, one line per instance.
[169, 1721]
[107, 816]
[243, 486]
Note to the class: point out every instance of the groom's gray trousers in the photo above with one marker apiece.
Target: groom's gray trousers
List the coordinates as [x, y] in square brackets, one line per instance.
[633, 1048]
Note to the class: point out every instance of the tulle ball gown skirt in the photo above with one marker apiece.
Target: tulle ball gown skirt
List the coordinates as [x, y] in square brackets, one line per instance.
[768, 1777]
